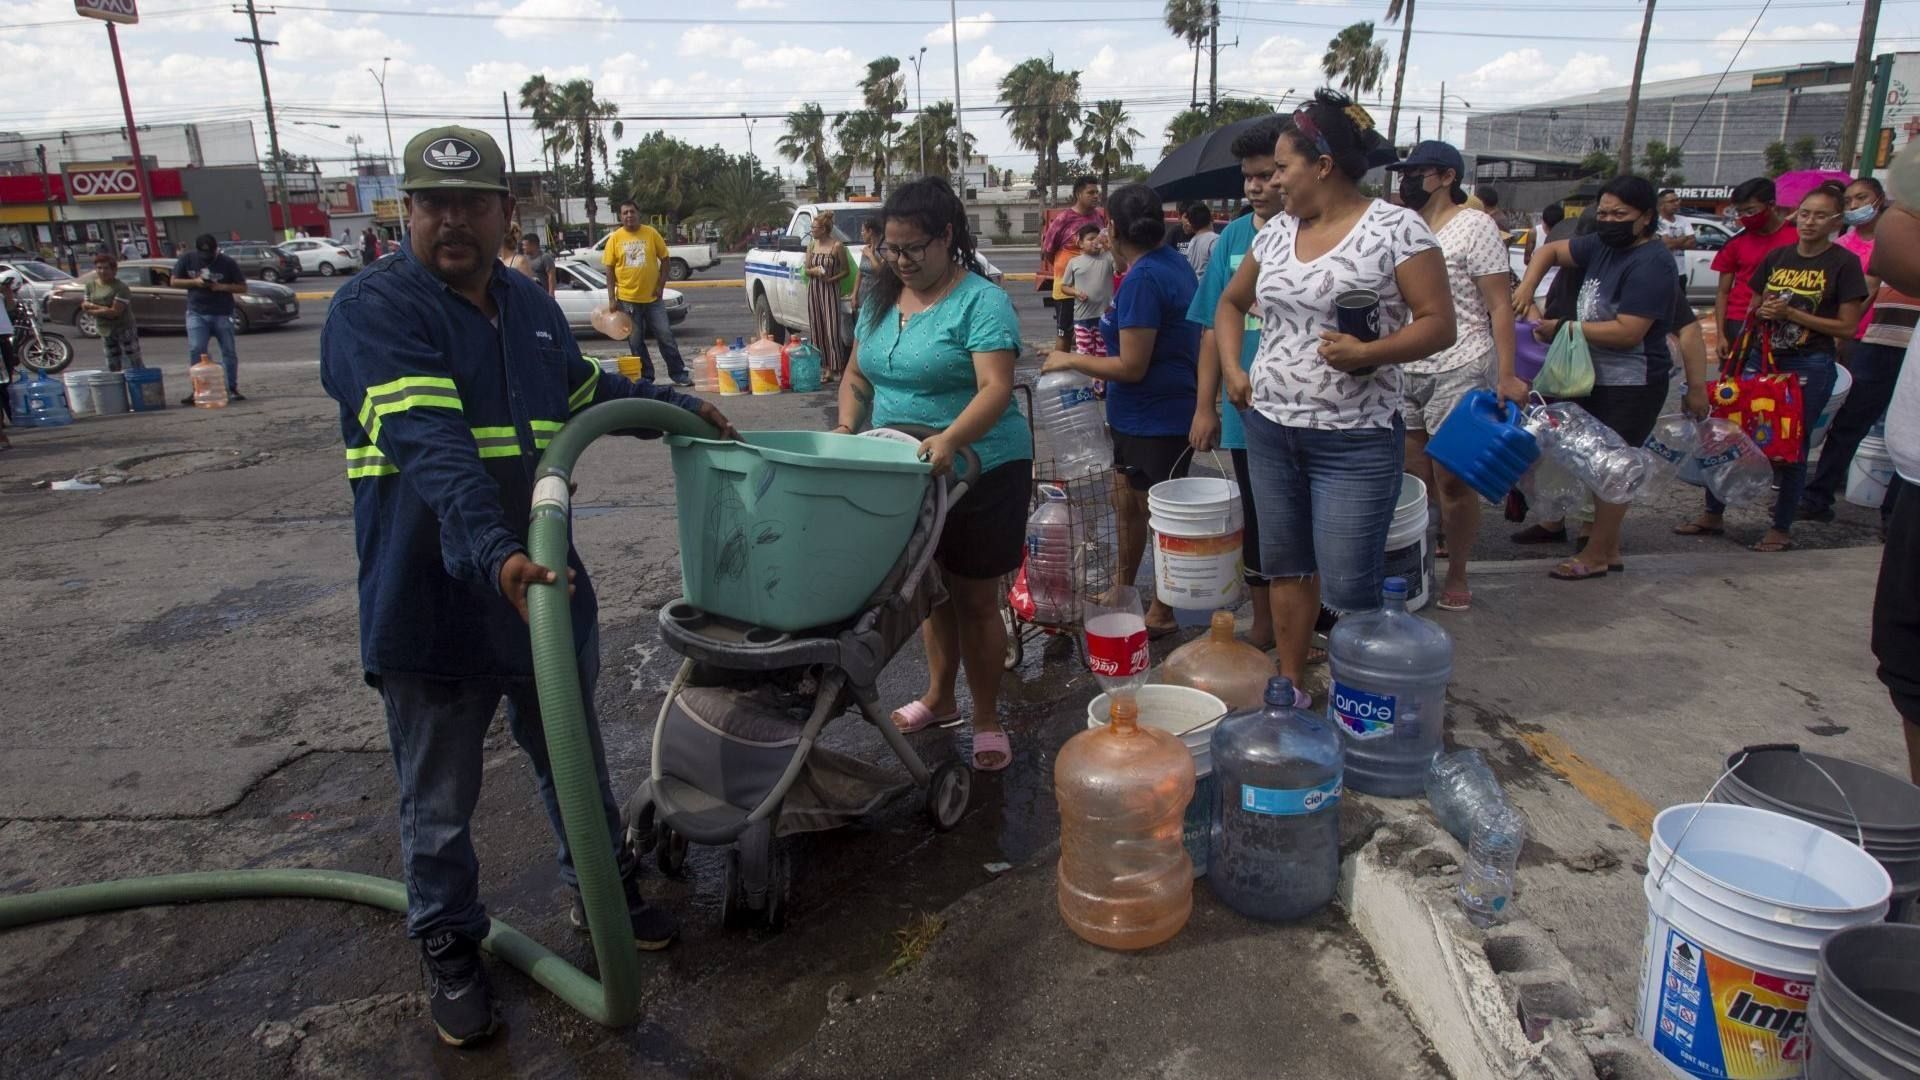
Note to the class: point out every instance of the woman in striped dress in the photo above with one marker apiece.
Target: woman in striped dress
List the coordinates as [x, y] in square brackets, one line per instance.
[827, 267]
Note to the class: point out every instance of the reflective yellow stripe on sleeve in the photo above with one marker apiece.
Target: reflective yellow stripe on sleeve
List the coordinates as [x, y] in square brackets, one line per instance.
[412, 392]
[366, 461]
[583, 396]
[495, 442]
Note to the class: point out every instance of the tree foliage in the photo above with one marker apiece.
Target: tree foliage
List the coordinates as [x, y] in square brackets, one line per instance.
[1355, 59]
[1041, 104]
[1190, 124]
[1661, 163]
[1106, 138]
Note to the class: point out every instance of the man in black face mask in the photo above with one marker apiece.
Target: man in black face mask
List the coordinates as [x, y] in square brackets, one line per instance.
[211, 280]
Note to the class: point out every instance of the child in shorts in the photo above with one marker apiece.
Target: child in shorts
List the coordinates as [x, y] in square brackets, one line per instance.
[1088, 281]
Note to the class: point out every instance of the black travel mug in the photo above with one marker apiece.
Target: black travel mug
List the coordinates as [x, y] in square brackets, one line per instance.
[1357, 312]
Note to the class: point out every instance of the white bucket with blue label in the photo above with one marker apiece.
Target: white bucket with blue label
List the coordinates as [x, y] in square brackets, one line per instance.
[1739, 901]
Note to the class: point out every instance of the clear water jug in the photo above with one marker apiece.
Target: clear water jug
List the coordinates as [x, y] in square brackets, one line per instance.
[39, 402]
[1074, 422]
[1484, 443]
[803, 364]
[1050, 559]
[1125, 880]
[209, 383]
[1276, 809]
[1231, 670]
[1486, 883]
[1730, 465]
[706, 368]
[1389, 696]
[1592, 451]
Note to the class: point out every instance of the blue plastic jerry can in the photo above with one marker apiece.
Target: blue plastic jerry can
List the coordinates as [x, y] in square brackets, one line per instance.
[1484, 444]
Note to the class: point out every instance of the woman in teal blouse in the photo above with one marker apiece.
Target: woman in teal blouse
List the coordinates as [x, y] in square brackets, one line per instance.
[935, 346]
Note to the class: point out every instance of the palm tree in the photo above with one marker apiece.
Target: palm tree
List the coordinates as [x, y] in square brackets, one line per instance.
[738, 202]
[1106, 139]
[1355, 59]
[1042, 106]
[1402, 10]
[866, 139]
[537, 96]
[662, 173]
[884, 90]
[936, 123]
[585, 120]
[1190, 124]
[806, 140]
[1189, 20]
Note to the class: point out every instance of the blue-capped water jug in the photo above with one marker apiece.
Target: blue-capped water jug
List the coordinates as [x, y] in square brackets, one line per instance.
[1484, 444]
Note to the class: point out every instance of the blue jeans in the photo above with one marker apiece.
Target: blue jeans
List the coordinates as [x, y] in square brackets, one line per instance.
[1817, 375]
[199, 329]
[1325, 501]
[438, 730]
[1875, 370]
[653, 317]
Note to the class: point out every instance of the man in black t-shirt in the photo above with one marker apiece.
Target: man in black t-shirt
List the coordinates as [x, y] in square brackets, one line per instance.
[212, 280]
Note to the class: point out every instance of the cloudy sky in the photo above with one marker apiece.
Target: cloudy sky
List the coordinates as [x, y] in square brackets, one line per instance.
[693, 70]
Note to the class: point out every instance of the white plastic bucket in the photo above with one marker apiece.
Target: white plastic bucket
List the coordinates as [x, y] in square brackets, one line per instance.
[109, 392]
[1196, 542]
[79, 386]
[1735, 921]
[734, 373]
[1409, 554]
[1842, 384]
[1870, 473]
[763, 373]
[1192, 715]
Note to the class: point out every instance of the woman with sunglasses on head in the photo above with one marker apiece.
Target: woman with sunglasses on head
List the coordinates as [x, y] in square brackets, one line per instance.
[1807, 298]
[935, 346]
[1325, 442]
[1153, 390]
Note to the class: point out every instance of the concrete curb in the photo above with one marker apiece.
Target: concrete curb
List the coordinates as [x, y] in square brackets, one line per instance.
[1496, 1004]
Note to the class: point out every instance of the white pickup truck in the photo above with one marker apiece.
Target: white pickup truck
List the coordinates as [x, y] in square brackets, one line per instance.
[683, 260]
[776, 280]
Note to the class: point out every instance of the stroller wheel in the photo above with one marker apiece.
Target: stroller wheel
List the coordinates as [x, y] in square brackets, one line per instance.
[947, 794]
[670, 850]
[1016, 644]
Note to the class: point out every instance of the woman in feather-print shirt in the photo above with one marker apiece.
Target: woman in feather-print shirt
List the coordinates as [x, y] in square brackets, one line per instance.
[1325, 443]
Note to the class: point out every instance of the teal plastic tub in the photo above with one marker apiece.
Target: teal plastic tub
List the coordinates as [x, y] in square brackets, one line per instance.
[792, 530]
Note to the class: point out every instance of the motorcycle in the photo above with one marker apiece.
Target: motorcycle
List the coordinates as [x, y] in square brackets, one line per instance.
[44, 351]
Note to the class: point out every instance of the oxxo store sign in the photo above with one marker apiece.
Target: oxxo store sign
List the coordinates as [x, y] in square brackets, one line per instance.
[97, 183]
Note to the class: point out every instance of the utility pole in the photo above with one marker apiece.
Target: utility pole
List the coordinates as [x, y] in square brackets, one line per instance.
[1440, 125]
[392, 166]
[1213, 62]
[507, 111]
[1633, 94]
[273, 129]
[920, 106]
[1857, 90]
[46, 196]
[959, 129]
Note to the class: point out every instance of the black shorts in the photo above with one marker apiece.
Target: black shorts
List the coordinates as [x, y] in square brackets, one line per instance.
[986, 533]
[1630, 411]
[1896, 603]
[1146, 460]
[1063, 316]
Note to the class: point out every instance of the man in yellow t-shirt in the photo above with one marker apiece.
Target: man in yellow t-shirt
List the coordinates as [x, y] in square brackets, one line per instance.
[636, 281]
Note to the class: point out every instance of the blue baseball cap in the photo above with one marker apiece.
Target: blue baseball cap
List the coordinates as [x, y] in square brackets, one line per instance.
[1433, 154]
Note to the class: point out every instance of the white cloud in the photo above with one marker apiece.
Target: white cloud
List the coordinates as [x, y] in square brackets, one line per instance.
[710, 42]
[1679, 69]
[527, 16]
[972, 28]
[1727, 40]
[759, 5]
[1275, 66]
[1529, 69]
[986, 66]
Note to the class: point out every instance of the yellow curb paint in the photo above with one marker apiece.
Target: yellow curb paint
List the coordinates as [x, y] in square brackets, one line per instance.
[313, 296]
[728, 283]
[1620, 802]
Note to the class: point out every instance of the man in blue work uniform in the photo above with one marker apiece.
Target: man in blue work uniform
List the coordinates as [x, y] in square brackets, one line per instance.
[453, 374]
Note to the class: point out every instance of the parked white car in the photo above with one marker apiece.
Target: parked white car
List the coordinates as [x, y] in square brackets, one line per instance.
[776, 285]
[579, 288]
[323, 257]
[683, 260]
[37, 278]
[1702, 281]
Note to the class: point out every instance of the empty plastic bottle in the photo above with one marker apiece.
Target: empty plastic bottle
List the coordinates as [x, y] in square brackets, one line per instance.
[1389, 694]
[1675, 438]
[1461, 788]
[1233, 671]
[1552, 492]
[1074, 422]
[1125, 880]
[209, 383]
[1275, 850]
[1731, 465]
[1591, 451]
[1050, 559]
[1486, 885]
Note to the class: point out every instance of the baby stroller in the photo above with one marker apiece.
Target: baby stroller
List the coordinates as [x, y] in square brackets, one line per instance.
[735, 757]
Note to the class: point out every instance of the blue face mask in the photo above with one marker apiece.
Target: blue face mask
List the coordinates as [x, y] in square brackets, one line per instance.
[1860, 215]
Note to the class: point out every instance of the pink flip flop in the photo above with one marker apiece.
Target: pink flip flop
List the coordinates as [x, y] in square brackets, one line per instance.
[915, 716]
[991, 742]
[1455, 600]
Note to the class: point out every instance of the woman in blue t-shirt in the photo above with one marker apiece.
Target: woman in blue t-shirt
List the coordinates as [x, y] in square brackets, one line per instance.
[1152, 381]
[935, 346]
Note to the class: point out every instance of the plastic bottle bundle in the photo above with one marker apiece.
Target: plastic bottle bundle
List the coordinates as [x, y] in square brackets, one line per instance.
[1591, 451]
[1050, 559]
[1675, 438]
[1074, 423]
[1552, 492]
[1233, 671]
[1729, 464]
[1486, 883]
[1462, 789]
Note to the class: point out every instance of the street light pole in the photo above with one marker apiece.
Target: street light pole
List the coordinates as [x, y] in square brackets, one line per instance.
[959, 129]
[381, 78]
[920, 106]
[753, 164]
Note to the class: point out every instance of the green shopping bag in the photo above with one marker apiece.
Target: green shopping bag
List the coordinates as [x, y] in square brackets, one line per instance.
[1568, 372]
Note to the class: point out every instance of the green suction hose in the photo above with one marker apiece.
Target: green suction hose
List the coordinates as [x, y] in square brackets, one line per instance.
[613, 1000]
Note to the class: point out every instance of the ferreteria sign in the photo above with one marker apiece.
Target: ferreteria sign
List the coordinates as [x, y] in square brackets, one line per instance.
[1704, 192]
[120, 11]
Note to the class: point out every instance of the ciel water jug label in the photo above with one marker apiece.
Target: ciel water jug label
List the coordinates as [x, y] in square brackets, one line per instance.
[1289, 801]
[1077, 395]
[1361, 714]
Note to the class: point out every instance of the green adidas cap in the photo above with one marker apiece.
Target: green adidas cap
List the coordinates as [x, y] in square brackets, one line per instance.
[453, 157]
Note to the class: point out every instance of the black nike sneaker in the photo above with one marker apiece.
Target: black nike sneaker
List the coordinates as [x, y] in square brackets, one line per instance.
[458, 994]
[654, 928]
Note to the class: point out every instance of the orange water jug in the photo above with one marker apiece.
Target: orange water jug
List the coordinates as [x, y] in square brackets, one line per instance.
[1233, 671]
[763, 366]
[209, 383]
[1125, 880]
[706, 368]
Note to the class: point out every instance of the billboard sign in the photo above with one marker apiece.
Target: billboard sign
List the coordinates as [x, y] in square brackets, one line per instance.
[120, 11]
[98, 183]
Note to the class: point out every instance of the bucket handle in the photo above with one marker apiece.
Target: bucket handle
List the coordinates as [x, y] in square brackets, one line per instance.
[1860, 835]
[1187, 454]
[1196, 727]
